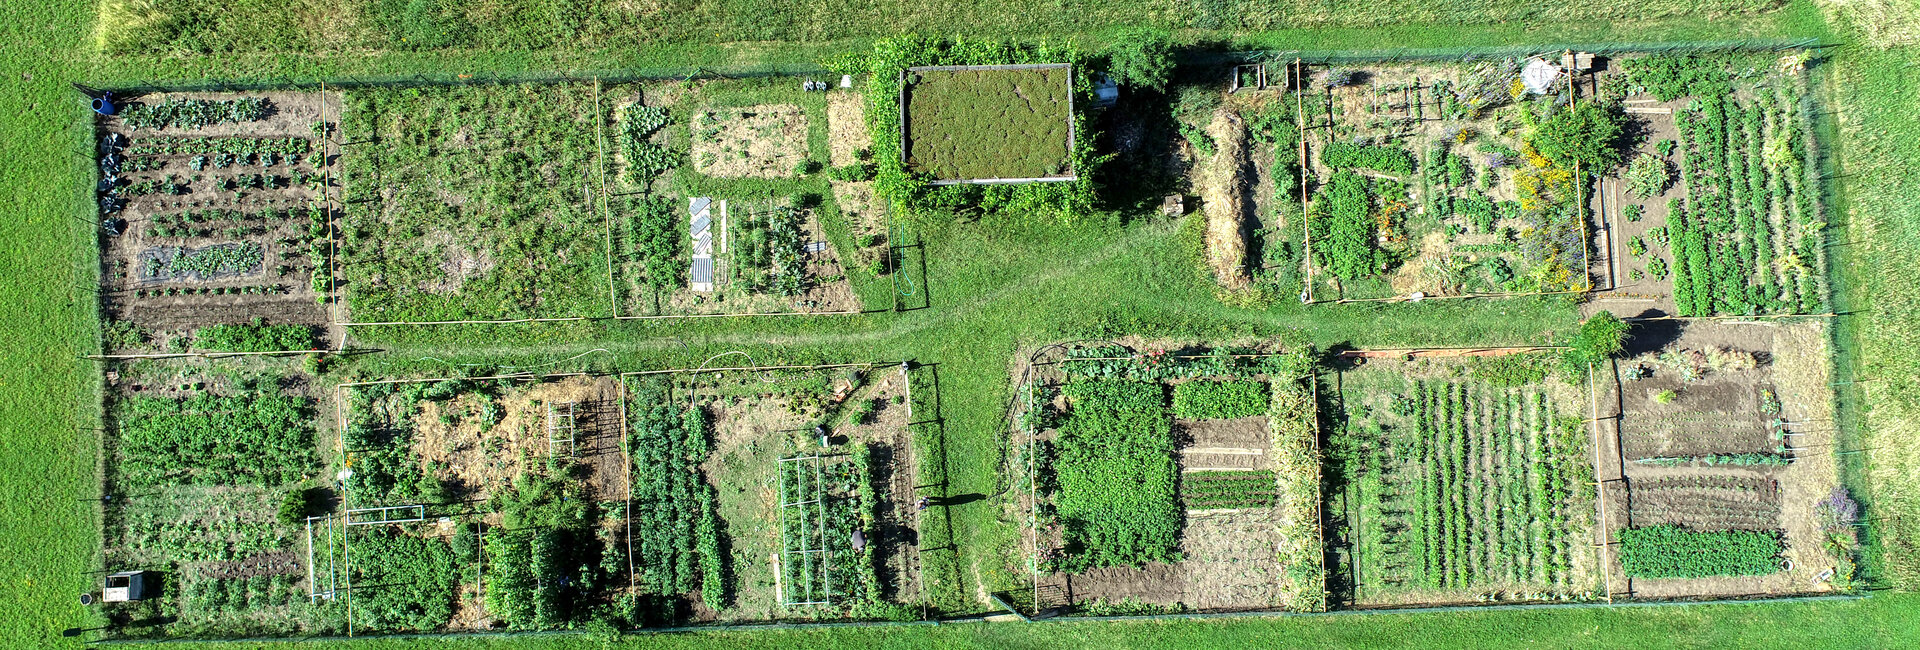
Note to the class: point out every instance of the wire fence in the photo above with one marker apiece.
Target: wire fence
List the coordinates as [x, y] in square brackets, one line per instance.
[449, 78]
[1499, 51]
[808, 68]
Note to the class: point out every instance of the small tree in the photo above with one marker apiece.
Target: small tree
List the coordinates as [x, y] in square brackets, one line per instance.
[1141, 57]
[1600, 338]
[1589, 135]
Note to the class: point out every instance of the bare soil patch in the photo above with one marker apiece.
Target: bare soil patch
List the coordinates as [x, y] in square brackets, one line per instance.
[481, 443]
[847, 137]
[1764, 497]
[766, 141]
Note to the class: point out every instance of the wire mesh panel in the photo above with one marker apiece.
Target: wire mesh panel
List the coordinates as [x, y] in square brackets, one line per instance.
[805, 565]
[562, 431]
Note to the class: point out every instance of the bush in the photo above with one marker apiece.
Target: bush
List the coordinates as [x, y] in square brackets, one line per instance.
[1142, 58]
[1589, 135]
[294, 507]
[1220, 400]
[1600, 338]
[1648, 176]
[1672, 552]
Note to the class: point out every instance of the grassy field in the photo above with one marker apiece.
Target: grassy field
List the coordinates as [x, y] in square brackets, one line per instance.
[995, 285]
[1874, 92]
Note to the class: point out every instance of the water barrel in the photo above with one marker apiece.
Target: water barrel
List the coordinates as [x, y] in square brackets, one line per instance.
[103, 105]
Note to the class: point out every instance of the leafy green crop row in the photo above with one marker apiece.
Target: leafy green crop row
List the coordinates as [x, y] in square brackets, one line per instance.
[1236, 489]
[1346, 155]
[1670, 551]
[262, 438]
[193, 113]
[676, 537]
[1217, 400]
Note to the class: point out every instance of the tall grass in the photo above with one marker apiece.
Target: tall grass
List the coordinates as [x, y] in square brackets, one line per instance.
[214, 26]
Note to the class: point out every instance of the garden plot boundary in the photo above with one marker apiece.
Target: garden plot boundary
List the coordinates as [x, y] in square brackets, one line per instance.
[603, 196]
[1024, 436]
[1298, 61]
[339, 321]
[901, 103]
[343, 521]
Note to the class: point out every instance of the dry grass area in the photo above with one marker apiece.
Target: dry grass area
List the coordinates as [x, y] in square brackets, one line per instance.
[766, 141]
[1225, 197]
[847, 137]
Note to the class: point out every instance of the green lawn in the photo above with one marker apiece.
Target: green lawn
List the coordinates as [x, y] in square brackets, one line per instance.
[995, 285]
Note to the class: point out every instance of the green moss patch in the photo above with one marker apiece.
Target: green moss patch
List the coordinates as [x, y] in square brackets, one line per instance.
[981, 124]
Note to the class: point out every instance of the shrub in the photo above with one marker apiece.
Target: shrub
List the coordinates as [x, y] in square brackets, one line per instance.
[1648, 176]
[294, 507]
[1220, 400]
[1589, 135]
[1600, 338]
[1666, 396]
[1669, 551]
[1142, 58]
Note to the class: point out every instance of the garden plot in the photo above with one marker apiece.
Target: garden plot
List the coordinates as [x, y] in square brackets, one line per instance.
[712, 255]
[1718, 209]
[1172, 483]
[1720, 468]
[481, 503]
[219, 200]
[851, 147]
[707, 238]
[210, 470]
[1460, 481]
[1428, 181]
[989, 122]
[772, 513]
[474, 203]
[766, 141]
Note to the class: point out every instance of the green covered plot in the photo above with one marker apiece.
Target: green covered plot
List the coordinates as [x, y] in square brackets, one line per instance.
[975, 124]
[1116, 475]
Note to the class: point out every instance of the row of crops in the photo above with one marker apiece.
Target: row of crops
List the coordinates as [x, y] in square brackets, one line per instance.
[1463, 486]
[1747, 236]
[825, 501]
[676, 542]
